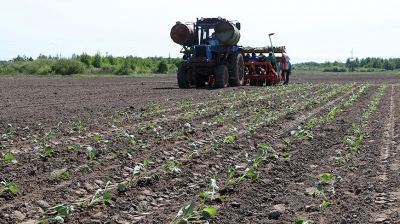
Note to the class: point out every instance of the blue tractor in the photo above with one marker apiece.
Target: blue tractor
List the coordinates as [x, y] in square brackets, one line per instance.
[211, 54]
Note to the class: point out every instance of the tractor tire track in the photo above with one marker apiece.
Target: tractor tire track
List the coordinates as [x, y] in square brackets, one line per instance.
[388, 195]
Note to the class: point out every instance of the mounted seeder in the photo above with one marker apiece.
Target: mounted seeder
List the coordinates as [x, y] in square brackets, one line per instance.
[212, 56]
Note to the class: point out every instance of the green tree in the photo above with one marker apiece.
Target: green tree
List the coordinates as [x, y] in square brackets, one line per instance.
[85, 59]
[97, 61]
[162, 67]
[125, 68]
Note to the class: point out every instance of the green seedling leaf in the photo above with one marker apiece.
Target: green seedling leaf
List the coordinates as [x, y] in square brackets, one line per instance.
[203, 195]
[64, 175]
[96, 138]
[9, 158]
[285, 154]
[173, 167]
[288, 143]
[230, 139]
[59, 219]
[223, 197]
[121, 187]
[107, 197]
[312, 194]
[48, 150]
[13, 189]
[183, 221]
[251, 174]
[91, 155]
[325, 178]
[210, 212]
[9, 186]
[188, 210]
[325, 204]
[63, 210]
[302, 221]
[145, 163]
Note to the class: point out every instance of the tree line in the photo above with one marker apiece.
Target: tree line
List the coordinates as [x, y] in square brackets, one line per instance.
[369, 64]
[89, 64]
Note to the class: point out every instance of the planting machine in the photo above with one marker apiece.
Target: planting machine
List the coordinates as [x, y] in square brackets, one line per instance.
[212, 56]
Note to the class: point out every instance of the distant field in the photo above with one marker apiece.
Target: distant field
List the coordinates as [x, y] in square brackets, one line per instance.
[139, 149]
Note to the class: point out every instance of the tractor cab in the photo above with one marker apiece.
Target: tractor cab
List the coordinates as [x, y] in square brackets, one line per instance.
[206, 45]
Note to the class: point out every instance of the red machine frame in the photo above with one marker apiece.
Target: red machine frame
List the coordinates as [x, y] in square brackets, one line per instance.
[258, 73]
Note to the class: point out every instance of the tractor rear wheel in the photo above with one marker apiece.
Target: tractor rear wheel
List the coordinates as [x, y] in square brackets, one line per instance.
[183, 81]
[222, 76]
[237, 70]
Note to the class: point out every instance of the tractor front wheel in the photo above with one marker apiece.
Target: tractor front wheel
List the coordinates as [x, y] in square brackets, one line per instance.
[221, 77]
[183, 81]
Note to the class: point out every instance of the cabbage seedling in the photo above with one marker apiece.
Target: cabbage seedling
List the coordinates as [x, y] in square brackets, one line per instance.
[303, 221]
[60, 213]
[7, 158]
[173, 167]
[9, 186]
[230, 139]
[103, 195]
[10, 131]
[188, 214]
[48, 150]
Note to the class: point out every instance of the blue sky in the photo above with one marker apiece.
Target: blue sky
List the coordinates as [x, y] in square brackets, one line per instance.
[312, 30]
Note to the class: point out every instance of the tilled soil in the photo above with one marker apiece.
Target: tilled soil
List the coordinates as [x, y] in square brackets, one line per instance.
[28, 101]
[129, 120]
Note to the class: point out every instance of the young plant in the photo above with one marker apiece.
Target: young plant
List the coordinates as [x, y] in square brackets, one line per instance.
[211, 194]
[103, 195]
[72, 148]
[78, 126]
[7, 157]
[288, 143]
[10, 131]
[64, 175]
[230, 139]
[188, 129]
[325, 189]
[354, 141]
[8, 187]
[302, 221]
[331, 116]
[58, 214]
[48, 150]
[91, 153]
[173, 167]
[301, 134]
[188, 214]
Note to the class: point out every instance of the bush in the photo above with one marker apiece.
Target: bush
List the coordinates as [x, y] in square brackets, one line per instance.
[68, 67]
[334, 69]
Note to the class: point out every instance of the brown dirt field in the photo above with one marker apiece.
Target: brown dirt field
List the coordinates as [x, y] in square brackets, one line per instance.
[125, 121]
